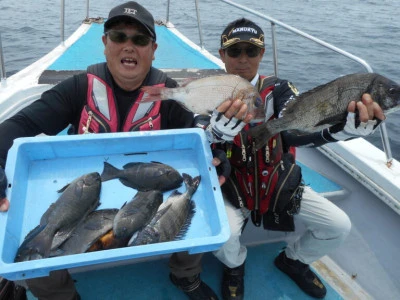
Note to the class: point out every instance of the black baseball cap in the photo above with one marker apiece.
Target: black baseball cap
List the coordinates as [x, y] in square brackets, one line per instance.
[242, 30]
[131, 11]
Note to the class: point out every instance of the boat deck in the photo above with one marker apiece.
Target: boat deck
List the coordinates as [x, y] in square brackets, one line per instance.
[149, 280]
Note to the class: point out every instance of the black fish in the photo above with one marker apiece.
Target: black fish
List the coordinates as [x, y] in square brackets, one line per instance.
[173, 217]
[75, 203]
[135, 214]
[326, 105]
[144, 176]
[94, 226]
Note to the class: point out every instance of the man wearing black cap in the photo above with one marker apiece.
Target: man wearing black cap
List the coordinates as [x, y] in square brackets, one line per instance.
[106, 99]
[250, 190]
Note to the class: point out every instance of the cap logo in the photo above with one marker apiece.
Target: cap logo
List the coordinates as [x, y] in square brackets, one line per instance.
[130, 11]
[244, 29]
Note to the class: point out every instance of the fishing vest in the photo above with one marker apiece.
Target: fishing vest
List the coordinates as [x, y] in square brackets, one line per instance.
[254, 173]
[100, 113]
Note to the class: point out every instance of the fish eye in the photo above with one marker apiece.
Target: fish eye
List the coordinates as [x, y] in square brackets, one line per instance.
[392, 91]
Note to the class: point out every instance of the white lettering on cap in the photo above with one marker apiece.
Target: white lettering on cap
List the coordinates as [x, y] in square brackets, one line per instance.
[130, 11]
[244, 29]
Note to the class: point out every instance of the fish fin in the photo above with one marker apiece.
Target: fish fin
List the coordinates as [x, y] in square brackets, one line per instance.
[152, 93]
[133, 238]
[185, 227]
[261, 134]
[191, 183]
[129, 184]
[329, 121]
[131, 165]
[109, 172]
[63, 189]
[123, 205]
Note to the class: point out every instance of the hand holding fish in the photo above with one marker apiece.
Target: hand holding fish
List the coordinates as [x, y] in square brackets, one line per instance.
[228, 119]
[362, 119]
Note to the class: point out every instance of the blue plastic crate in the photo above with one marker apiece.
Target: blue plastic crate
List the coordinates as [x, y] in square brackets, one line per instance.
[38, 167]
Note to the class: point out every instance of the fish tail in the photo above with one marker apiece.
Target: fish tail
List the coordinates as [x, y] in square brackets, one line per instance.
[109, 172]
[36, 247]
[261, 135]
[191, 183]
[153, 93]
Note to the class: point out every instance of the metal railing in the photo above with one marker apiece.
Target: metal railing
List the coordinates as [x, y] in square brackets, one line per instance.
[274, 23]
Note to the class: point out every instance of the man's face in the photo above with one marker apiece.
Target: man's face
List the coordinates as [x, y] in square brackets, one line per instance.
[128, 61]
[242, 59]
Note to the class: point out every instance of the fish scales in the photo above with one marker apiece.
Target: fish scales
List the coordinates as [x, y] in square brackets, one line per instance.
[135, 214]
[203, 95]
[78, 199]
[326, 105]
[94, 226]
[144, 176]
[172, 218]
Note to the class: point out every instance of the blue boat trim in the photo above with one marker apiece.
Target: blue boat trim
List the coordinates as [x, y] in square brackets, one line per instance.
[184, 57]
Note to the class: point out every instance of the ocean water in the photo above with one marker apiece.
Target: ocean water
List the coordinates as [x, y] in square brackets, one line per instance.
[367, 29]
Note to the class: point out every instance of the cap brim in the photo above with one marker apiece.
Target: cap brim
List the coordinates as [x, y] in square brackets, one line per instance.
[111, 21]
[243, 38]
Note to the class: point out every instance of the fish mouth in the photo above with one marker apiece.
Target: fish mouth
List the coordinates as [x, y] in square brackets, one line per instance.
[129, 61]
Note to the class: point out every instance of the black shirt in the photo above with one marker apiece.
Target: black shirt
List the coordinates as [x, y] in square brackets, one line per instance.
[62, 105]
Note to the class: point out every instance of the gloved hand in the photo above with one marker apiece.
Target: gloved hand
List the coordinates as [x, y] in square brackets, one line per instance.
[224, 129]
[222, 165]
[353, 127]
[3, 183]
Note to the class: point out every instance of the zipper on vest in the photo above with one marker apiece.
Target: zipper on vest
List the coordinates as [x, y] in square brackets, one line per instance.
[148, 120]
[92, 115]
[283, 183]
[239, 198]
[271, 176]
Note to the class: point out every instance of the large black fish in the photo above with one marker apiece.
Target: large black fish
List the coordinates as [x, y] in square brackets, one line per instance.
[94, 226]
[144, 176]
[326, 105]
[135, 214]
[173, 217]
[78, 199]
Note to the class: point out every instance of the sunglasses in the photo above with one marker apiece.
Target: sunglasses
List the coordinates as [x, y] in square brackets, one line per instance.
[121, 37]
[236, 51]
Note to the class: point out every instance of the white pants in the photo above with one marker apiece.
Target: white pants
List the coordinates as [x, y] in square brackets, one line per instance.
[326, 227]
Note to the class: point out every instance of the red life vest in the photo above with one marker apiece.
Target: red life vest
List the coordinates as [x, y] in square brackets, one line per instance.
[255, 172]
[100, 113]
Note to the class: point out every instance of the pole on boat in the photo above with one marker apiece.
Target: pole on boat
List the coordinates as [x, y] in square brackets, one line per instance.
[62, 20]
[199, 24]
[2, 66]
[87, 9]
[274, 48]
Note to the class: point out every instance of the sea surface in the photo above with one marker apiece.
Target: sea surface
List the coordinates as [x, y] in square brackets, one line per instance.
[367, 29]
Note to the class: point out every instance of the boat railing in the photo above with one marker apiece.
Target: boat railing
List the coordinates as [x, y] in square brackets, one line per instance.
[273, 22]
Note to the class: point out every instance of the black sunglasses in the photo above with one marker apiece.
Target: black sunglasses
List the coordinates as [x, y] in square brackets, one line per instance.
[121, 37]
[236, 51]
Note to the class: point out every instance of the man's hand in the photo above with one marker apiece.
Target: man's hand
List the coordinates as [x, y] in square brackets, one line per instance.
[4, 203]
[228, 119]
[221, 162]
[362, 119]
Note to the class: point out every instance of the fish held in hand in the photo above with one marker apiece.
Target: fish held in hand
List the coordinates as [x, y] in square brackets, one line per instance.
[79, 198]
[144, 176]
[326, 105]
[173, 217]
[202, 96]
